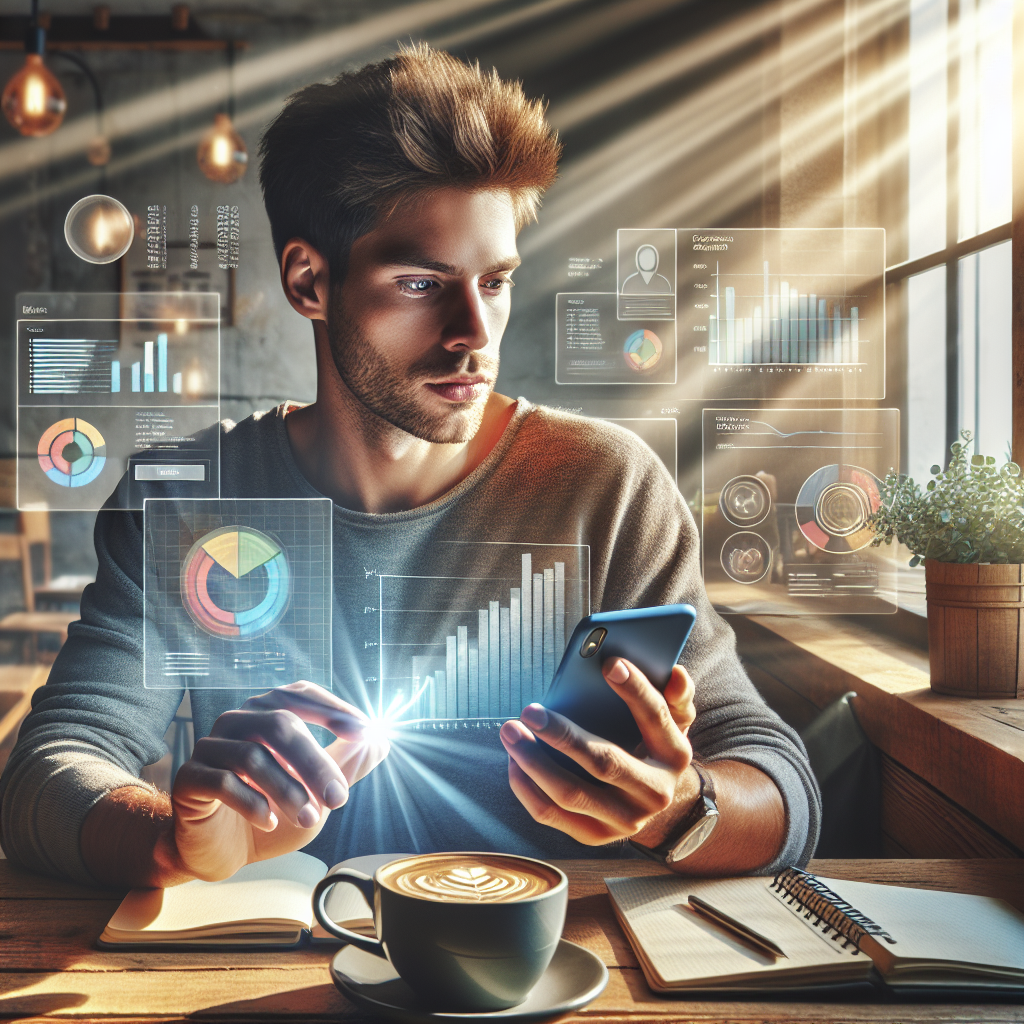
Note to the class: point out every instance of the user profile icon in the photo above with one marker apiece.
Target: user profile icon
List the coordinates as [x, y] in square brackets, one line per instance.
[646, 279]
[645, 273]
[99, 229]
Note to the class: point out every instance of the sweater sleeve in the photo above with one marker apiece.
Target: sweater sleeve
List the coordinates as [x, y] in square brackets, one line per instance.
[93, 725]
[655, 560]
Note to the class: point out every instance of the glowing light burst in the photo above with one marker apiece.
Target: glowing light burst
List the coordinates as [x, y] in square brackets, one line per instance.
[405, 774]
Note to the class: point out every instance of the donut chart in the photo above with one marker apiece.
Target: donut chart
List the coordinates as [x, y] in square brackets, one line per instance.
[242, 564]
[72, 452]
[642, 351]
[833, 506]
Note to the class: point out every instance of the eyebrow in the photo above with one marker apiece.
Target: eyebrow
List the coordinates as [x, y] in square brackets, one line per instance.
[415, 259]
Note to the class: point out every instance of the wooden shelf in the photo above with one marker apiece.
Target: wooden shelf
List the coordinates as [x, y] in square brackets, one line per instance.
[969, 751]
[125, 32]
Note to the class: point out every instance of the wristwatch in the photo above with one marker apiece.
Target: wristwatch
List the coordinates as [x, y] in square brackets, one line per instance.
[692, 832]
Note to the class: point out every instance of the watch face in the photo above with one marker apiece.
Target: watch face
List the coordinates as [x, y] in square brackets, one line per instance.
[694, 838]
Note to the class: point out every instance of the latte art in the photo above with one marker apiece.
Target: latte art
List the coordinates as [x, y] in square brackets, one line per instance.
[466, 879]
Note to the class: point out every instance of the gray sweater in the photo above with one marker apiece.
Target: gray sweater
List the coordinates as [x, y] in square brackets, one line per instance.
[551, 479]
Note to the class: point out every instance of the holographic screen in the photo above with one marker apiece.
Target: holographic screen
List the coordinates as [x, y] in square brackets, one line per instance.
[787, 494]
[114, 386]
[237, 593]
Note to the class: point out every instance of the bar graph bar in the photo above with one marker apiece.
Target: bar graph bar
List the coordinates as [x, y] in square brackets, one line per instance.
[147, 366]
[161, 350]
[115, 376]
[176, 383]
[765, 318]
[446, 654]
[136, 376]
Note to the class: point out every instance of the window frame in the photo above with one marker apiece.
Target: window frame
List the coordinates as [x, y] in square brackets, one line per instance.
[956, 249]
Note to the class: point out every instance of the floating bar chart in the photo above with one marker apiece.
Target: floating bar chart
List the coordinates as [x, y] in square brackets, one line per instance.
[769, 320]
[62, 366]
[781, 313]
[451, 650]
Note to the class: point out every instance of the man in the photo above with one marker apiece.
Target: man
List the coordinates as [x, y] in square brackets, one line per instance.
[395, 195]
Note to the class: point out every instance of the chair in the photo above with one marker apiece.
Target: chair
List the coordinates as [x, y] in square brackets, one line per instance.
[848, 769]
[30, 623]
[35, 528]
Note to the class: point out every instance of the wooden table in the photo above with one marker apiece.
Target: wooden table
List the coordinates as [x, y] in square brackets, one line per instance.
[49, 969]
[17, 684]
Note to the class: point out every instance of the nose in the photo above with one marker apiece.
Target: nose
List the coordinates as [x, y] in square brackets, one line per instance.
[466, 325]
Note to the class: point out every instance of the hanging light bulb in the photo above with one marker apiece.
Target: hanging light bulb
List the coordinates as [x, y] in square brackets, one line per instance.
[98, 151]
[222, 154]
[33, 100]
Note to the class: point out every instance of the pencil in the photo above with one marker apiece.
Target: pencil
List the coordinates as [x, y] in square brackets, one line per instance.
[705, 909]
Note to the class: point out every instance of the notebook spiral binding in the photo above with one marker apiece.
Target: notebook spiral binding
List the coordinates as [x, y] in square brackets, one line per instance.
[831, 913]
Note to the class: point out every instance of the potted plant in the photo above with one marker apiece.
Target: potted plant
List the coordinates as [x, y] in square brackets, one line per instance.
[967, 526]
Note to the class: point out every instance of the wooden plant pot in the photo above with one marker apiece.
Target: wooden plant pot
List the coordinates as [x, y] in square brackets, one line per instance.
[976, 629]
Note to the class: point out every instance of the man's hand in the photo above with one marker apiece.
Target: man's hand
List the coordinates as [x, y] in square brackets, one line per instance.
[260, 785]
[638, 792]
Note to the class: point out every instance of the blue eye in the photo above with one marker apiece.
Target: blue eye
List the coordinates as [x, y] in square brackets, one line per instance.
[418, 286]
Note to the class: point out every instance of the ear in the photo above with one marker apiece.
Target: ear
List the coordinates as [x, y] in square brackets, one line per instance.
[305, 278]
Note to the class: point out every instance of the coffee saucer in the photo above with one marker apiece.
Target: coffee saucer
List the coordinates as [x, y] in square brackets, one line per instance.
[574, 977]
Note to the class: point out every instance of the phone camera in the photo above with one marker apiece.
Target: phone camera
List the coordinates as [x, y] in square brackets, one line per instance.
[593, 642]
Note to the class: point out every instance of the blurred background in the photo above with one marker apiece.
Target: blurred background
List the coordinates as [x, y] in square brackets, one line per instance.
[823, 114]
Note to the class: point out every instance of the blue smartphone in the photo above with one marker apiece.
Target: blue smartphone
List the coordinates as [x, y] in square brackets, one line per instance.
[651, 638]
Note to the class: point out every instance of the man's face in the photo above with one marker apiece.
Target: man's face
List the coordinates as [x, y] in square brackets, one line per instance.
[415, 328]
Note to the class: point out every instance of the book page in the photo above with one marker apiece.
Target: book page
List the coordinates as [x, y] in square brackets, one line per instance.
[931, 925]
[276, 890]
[683, 947]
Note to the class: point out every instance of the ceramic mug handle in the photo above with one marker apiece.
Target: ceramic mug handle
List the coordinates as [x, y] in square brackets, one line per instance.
[362, 882]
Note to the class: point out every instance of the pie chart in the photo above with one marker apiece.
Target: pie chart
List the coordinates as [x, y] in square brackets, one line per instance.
[833, 507]
[235, 582]
[642, 350]
[72, 453]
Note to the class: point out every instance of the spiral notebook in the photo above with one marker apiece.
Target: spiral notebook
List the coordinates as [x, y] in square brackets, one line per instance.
[832, 932]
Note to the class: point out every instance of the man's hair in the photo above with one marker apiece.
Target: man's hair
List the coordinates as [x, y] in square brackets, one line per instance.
[340, 157]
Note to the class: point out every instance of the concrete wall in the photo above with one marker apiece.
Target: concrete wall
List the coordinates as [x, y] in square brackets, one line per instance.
[587, 57]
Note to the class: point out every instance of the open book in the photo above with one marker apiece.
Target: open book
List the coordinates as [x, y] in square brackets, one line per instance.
[831, 932]
[263, 905]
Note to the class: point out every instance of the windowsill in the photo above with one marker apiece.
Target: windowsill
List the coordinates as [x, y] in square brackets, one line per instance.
[972, 751]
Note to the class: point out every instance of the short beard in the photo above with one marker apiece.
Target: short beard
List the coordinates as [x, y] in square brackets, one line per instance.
[390, 392]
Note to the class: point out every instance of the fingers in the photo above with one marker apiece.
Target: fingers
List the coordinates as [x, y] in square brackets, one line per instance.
[638, 792]
[312, 704]
[357, 758]
[607, 762]
[543, 809]
[663, 738]
[679, 695]
[199, 789]
[257, 767]
[288, 738]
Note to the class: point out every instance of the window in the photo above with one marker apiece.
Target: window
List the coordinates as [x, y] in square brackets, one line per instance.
[957, 276]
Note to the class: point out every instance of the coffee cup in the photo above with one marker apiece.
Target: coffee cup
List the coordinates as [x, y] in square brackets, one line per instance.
[469, 932]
